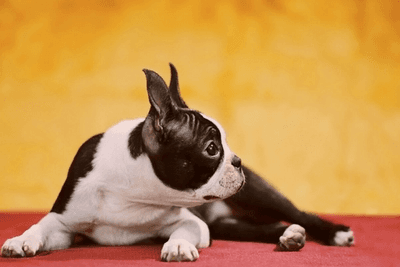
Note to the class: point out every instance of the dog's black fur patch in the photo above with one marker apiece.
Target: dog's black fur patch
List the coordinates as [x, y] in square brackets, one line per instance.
[180, 163]
[135, 142]
[81, 165]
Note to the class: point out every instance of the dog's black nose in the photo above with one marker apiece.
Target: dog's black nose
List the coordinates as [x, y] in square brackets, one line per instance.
[236, 162]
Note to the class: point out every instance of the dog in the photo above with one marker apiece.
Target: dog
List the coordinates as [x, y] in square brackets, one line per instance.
[170, 175]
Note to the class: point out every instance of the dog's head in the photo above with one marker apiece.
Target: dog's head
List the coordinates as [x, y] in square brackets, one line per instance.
[188, 150]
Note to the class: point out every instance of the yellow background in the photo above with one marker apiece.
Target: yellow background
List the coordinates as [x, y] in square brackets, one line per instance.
[308, 91]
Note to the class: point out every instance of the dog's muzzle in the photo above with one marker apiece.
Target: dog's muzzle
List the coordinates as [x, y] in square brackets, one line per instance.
[231, 180]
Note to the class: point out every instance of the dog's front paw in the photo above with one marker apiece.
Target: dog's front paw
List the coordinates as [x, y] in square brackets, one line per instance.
[21, 247]
[179, 250]
[294, 238]
[343, 238]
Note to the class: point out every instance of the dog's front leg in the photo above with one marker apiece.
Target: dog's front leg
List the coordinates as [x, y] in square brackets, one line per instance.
[48, 234]
[185, 237]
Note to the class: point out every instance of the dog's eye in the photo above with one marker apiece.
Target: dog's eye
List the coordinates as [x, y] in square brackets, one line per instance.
[212, 149]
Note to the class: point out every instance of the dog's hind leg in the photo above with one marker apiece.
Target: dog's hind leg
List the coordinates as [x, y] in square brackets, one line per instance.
[236, 229]
[48, 234]
[224, 225]
[259, 203]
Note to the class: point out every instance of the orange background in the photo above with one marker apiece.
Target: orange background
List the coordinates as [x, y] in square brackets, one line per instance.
[308, 91]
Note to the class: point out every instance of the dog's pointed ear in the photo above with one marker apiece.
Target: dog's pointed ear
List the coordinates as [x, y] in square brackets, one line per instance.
[160, 100]
[174, 88]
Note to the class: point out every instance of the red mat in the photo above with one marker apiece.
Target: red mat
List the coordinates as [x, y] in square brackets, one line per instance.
[377, 244]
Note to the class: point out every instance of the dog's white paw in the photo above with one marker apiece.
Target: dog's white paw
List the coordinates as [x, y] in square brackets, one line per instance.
[21, 247]
[294, 238]
[179, 250]
[343, 238]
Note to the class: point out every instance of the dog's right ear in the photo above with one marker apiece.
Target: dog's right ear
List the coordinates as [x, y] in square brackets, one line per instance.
[174, 88]
[160, 100]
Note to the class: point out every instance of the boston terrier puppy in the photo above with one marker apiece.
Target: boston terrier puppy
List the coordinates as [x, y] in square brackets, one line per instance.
[170, 175]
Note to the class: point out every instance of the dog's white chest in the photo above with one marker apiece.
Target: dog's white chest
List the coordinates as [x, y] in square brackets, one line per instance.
[130, 223]
[115, 210]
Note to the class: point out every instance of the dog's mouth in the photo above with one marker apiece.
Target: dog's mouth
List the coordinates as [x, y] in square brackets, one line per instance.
[241, 186]
[209, 197]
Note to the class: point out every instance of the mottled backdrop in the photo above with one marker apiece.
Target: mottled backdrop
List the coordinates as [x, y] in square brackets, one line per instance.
[308, 91]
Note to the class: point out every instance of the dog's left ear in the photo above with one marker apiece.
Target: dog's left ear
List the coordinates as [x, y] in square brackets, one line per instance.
[174, 88]
[160, 100]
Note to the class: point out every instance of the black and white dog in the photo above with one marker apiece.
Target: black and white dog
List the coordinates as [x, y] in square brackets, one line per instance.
[170, 175]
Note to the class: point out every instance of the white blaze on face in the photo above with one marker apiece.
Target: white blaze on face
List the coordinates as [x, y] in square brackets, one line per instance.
[227, 180]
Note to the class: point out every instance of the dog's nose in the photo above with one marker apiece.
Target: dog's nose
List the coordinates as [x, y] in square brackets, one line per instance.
[236, 162]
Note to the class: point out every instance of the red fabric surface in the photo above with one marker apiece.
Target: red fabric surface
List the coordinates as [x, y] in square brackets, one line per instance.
[377, 244]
